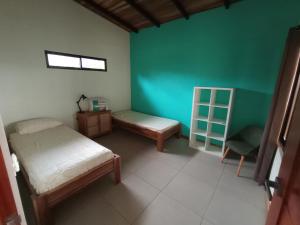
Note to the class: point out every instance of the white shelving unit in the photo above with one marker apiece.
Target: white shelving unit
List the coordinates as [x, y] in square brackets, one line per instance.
[210, 119]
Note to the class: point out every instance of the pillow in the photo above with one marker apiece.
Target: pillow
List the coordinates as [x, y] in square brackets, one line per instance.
[35, 125]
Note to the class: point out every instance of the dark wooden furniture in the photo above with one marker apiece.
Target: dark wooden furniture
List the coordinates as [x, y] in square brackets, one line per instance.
[159, 137]
[43, 203]
[94, 124]
[132, 15]
[283, 132]
[280, 105]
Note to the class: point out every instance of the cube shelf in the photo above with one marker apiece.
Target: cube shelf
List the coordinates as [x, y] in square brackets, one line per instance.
[210, 119]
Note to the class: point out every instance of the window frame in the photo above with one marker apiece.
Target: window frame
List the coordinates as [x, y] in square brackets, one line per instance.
[75, 56]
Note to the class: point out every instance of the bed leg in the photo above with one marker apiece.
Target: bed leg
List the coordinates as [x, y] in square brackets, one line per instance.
[117, 168]
[42, 211]
[178, 134]
[160, 144]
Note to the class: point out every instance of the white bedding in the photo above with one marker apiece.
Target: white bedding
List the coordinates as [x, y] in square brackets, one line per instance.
[55, 156]
[154, 123]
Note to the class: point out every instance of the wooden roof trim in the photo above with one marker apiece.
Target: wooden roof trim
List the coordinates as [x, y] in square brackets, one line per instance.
[143, 12]
[181, 8]
[90, 4]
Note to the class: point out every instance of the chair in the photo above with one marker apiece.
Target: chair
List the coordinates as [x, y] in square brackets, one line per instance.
[243, 143]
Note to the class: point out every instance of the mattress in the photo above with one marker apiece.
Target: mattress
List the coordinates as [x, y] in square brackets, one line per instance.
[154, 123]
[54, 156]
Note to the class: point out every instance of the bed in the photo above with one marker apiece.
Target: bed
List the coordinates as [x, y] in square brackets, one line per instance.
[153, 127]
[57, 162]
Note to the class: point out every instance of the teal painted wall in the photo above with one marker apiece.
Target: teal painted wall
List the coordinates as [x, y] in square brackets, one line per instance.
[241, 47]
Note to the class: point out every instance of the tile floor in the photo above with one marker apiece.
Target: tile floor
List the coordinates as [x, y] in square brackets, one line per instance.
[178, 187]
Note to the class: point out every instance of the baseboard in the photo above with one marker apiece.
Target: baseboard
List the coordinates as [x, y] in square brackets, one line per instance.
[184, 137]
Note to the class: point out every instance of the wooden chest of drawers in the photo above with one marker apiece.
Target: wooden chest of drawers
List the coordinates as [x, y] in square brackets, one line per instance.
[94, 124]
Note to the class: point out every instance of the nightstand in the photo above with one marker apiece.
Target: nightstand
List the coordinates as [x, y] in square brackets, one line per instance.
[94, 124]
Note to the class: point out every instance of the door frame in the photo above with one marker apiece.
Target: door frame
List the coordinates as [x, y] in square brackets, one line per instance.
[11, 174]
[287, 168]
[288, 117]
[279, 106]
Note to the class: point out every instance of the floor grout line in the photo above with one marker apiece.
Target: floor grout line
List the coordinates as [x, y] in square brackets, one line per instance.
[160, 192]
[116, 210]
[214, 192]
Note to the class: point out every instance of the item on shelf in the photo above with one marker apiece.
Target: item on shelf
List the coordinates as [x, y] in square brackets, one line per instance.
[210, 119]
[82, 97]
[97, 104]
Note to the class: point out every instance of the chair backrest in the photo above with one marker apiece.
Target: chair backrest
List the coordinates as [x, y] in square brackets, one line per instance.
[252, 135]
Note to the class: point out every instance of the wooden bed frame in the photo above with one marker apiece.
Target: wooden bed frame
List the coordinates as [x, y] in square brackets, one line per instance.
[42, 203]
[159, 137]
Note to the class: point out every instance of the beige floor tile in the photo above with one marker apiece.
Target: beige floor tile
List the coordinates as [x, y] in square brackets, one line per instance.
[190, 192]
[157, 173]
[227, 209]
[130, 197]
[94, 211]
[166, 211]
[205, 169]
[244, 188]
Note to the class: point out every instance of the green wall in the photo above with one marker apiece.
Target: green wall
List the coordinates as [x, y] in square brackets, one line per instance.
[240, 47]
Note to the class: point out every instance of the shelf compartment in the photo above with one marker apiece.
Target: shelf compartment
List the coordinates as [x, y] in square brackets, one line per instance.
[201, 118]
[219, 115]
[213, 145]
[200, 145]
[216, 136]
[218, 121]
[200, 132]
[212, 105]
[198, 142]
[203, 104]
[220, 106]
[203, 111]
[222, 97]
[205, 95]
[212, 135]
[201, 127]
[218, 131]
[214, 149]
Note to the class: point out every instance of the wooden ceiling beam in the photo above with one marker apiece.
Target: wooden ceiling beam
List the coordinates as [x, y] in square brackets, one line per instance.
[143, 12]
[181, 8]
[98, 9]
[227, 4]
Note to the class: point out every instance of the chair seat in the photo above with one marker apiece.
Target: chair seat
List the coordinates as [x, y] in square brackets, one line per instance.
[240, 147]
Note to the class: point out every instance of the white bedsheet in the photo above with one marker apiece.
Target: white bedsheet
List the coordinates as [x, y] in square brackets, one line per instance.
[55, 156]
[154, 123]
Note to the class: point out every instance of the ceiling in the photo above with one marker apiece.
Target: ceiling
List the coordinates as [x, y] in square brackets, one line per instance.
[133, 15]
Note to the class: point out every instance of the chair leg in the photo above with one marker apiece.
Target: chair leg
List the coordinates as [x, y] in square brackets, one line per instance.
[240, 165]
[225, 154]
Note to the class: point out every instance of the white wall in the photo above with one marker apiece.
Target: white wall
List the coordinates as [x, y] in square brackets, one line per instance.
[28, 89]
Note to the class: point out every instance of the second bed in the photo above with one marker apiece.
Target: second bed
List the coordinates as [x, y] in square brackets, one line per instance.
[153, 127]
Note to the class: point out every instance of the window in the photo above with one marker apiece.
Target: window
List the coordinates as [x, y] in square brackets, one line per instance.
[60, 60]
